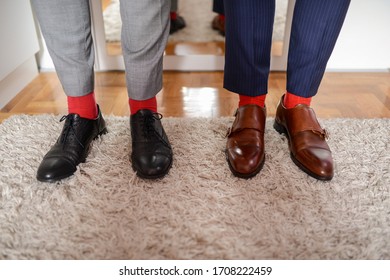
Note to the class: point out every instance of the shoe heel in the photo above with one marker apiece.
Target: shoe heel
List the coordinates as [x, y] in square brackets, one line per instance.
[279, 128]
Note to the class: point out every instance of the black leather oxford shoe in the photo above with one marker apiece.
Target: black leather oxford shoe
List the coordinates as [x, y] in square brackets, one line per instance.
[151, 155]
[177, 24]
[71, 148]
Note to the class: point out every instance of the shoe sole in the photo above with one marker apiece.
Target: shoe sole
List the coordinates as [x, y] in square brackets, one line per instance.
[282, 130]
[244, 175]
[53, 180]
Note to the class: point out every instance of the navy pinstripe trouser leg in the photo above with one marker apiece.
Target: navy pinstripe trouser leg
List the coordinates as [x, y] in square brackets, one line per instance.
[316, 26]
[218, 7]
[248, 33]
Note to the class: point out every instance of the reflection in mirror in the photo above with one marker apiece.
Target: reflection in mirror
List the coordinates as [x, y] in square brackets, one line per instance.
[112, 26]
[198, 37]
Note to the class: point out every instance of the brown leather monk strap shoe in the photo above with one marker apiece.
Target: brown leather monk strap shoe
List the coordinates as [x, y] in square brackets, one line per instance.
[306, 139]
[245, 144]
[219, 25]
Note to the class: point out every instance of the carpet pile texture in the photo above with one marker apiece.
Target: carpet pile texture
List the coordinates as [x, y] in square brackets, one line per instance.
[199, 210]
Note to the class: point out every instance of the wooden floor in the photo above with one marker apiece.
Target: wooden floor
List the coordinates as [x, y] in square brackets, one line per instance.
[200, 94]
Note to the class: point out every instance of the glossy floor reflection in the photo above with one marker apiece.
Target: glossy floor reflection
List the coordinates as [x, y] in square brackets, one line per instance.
[196, 102]
[201, 94]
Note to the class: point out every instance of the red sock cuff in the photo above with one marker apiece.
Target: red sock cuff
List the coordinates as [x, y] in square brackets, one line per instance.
[85, 106]
[291, 100]
[173, 15]
[256, 100]
[136, 105]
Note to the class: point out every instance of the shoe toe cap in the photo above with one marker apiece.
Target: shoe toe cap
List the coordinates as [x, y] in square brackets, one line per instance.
[152, 165]
[318, 161]
[53, 169]
[245, 159]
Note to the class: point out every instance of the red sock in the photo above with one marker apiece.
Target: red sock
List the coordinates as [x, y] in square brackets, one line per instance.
[221, 17]
[291, 100]
[136, 105]
[256, 100]
[173, 15]
[85, 106]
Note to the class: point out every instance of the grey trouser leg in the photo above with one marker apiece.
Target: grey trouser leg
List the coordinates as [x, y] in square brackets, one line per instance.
[66, 26]
[174, 5]
[145, 33]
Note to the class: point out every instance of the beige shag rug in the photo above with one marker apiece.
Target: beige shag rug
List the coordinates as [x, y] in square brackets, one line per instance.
[199, 210]
[198, 15]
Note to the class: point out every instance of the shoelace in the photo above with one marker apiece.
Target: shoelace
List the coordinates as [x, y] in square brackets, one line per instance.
[148, 126]
[67, 128]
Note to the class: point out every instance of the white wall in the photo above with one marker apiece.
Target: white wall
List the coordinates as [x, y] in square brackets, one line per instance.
[364, 42]
[363, 45]
[44, 60]
[18, 46]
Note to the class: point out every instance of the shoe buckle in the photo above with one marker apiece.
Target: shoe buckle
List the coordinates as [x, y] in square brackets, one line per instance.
[324, 133]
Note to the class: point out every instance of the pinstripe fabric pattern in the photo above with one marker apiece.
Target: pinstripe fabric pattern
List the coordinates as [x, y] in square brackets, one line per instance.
[66, 27]
[248, 26]
[315, 28]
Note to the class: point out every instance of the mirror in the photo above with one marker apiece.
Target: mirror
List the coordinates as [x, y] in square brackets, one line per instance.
[198, 37]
